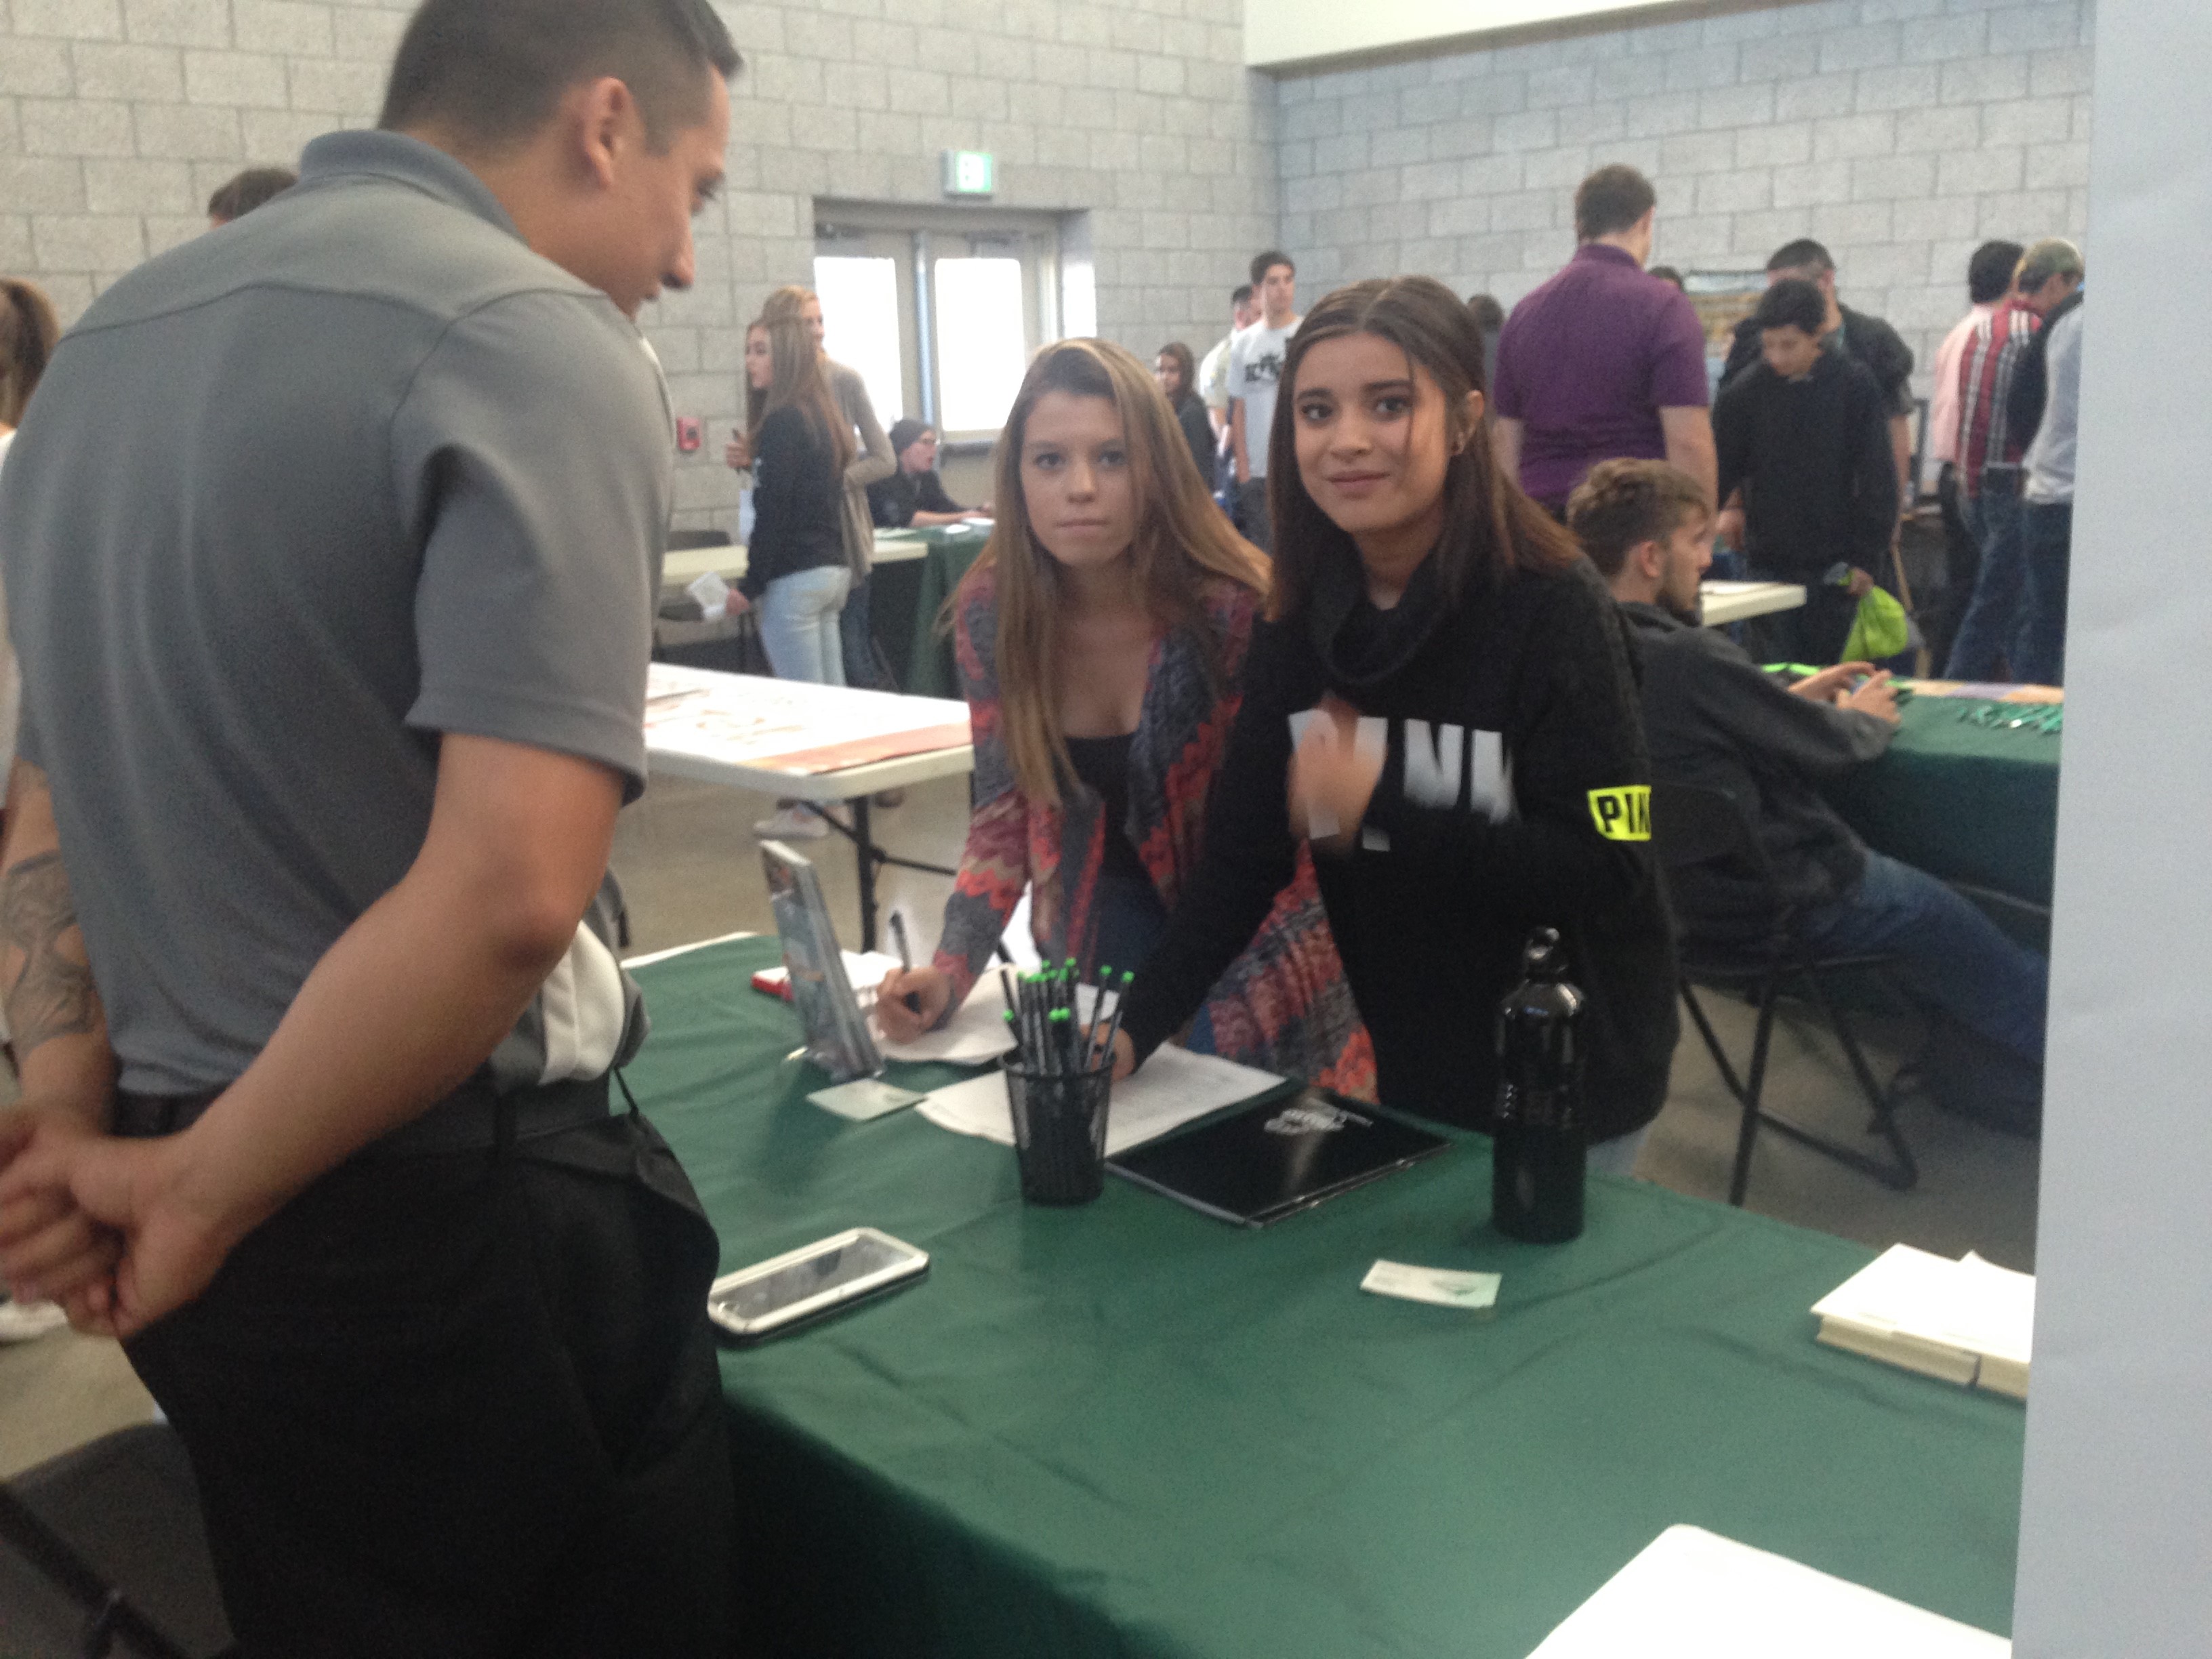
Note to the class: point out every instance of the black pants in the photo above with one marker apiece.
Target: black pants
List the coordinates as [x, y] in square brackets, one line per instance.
[466, 1404]
[1813, 634]
[1252, 515]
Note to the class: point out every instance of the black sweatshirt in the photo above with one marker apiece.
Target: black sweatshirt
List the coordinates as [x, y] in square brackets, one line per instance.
[1812, 455]
[799, 502]
[893, 501]
[1715, 718]
[1521, 716]
[2031, 376]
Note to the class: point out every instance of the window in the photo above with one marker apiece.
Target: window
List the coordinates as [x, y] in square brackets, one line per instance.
[982, 347]
[861, 323]
[939, 310]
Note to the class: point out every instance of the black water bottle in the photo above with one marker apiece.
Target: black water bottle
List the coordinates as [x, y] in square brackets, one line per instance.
[1538, 1155]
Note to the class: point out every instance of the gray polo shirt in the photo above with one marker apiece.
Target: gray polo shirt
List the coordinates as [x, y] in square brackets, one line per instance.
[297, 497]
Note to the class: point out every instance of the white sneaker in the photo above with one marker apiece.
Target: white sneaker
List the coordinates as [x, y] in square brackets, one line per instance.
[792, 823]
[21, 1321]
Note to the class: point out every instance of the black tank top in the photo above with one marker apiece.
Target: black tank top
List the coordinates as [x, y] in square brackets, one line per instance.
[1102, 764]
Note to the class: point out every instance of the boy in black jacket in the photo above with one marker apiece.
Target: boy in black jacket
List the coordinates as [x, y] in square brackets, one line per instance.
[1714, 718]
[1806, 436]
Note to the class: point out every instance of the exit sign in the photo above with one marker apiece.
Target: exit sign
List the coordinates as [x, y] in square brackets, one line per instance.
[970, 173]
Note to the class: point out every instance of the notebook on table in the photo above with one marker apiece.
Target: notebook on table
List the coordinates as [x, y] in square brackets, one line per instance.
[1277, 1158]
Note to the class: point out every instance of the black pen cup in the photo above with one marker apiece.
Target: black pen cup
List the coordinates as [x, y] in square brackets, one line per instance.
[1059, 1133]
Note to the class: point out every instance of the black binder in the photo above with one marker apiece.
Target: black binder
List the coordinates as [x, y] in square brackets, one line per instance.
[1281, 1156]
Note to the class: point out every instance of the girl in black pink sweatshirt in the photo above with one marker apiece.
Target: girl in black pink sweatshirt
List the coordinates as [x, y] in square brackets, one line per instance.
[1442, 703]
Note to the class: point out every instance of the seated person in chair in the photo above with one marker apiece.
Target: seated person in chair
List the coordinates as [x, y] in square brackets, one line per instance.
[913, 497]
[1714, 718]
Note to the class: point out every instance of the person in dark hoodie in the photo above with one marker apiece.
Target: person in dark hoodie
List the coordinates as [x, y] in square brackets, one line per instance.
[1715, 719]
[1441, 704]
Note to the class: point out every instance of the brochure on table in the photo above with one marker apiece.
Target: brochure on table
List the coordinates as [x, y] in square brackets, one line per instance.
[1694, 1594]
[790, 726]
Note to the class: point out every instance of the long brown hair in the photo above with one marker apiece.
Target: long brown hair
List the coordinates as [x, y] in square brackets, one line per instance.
[800, 380]
[1187, 371]
[1491, 528]
[29, 330]
[1182, 541]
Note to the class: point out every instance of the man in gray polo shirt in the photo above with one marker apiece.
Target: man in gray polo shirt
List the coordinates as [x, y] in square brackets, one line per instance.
[331, 556]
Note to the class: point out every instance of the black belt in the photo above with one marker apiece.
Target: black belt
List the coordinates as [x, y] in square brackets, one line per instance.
[474, 1118]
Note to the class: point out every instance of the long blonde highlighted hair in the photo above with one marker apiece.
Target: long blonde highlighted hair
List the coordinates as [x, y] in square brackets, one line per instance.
[1182, 541]
[800, 380]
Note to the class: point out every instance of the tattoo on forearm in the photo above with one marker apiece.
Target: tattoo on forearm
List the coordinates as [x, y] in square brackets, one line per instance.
[51, 994]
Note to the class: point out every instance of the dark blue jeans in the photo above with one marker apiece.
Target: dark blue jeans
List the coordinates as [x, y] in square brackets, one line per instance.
[2046, 539]
[856, 632]
[1949, 954]
[1991, 635]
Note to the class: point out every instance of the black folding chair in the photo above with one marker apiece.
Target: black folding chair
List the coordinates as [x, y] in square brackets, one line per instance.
[103, 1553]
[1691, 826]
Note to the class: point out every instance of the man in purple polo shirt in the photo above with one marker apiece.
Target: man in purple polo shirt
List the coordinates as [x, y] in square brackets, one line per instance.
[1602, 360]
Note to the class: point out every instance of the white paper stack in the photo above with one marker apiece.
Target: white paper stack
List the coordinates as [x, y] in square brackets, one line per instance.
[1967, 1321]
[1174, 1087]
[1694, 1594]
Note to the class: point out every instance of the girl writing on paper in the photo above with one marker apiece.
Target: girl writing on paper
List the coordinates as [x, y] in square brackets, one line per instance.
[1440, 711]
[1101, 638]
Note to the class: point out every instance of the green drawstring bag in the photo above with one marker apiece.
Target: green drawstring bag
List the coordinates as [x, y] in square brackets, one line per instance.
[1879, 630]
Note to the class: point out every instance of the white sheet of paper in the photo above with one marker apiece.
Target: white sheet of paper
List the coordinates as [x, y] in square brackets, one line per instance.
[1444, 1287]
[1174, 1087]
[978, 1034]
[1694, 1594]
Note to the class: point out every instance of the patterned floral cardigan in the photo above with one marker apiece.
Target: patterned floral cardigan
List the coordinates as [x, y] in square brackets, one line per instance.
[1283, 1004]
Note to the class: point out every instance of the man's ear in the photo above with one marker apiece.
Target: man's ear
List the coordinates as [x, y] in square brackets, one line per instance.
[1649, 559]
[603, 119]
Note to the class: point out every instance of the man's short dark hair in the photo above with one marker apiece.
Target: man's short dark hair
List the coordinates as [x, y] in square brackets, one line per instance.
[1803, 254]
[1625, 503]
[253, 188]
[1264, 262]
[493, 71]
[1988, 273]
[1793, 302]
[1611, 198]
[1241, 295]
[1489, 315]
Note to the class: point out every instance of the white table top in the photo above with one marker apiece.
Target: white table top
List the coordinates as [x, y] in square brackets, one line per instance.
[684, 565]
[804, 742]
[1731, 602]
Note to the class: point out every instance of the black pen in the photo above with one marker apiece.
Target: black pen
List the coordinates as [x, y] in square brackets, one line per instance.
[912, 999]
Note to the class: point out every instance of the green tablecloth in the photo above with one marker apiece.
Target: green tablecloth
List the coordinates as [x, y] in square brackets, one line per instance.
[1969, 803]
[905, 598]
[1127, 1430]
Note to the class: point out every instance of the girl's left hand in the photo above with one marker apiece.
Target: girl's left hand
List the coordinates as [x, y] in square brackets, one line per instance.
[1331, 778]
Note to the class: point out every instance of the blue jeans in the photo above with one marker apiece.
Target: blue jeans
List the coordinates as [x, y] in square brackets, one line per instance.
[2046, 539]
[1991, 634]
[856, 633]
[1949, 954]
[799, 624]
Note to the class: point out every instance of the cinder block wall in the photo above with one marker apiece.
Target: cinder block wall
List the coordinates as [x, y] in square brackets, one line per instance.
[117, 117]
[1900, 133]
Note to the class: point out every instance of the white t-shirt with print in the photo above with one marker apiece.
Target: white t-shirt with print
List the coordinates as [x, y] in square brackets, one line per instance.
[1255, 367]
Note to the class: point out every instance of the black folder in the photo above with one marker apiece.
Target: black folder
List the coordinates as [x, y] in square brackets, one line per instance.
[1283, 1155]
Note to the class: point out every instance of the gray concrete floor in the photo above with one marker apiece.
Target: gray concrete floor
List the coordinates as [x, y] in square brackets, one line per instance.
[691, 868]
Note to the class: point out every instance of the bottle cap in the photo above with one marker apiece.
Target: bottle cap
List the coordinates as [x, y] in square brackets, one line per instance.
[1543, 958]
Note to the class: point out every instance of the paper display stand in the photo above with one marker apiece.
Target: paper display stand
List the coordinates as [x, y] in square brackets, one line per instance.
[837, 1035]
